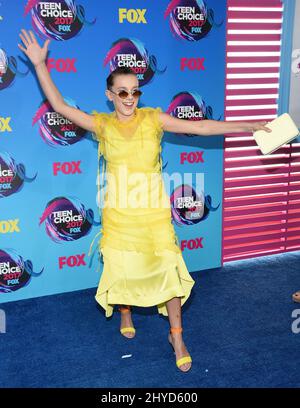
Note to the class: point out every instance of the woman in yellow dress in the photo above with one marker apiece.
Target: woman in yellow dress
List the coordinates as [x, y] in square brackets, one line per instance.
[143, 264]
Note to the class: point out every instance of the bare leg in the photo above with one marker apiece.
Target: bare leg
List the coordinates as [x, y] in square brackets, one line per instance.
[126, 321]
[174, 312]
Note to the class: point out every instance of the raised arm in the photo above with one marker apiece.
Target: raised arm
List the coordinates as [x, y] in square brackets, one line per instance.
[208, 127]
[37, 56]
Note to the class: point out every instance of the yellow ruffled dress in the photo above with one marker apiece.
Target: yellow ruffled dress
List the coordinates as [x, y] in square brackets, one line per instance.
[143, 263]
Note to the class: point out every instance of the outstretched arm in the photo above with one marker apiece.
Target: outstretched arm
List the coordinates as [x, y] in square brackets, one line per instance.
[208, 127]
[37, 56]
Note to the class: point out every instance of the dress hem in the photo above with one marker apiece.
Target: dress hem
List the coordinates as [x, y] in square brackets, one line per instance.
[107, 300]
[158, 301]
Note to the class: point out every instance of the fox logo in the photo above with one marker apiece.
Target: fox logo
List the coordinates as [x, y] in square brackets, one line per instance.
[132, 15]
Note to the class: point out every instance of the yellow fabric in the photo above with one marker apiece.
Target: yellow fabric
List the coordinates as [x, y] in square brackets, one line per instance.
[143, 264]
[128, 330]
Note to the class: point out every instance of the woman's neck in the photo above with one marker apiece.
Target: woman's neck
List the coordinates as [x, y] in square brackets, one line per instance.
[125, 118]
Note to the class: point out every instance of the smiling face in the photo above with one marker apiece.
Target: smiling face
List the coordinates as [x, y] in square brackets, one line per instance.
[124, 107]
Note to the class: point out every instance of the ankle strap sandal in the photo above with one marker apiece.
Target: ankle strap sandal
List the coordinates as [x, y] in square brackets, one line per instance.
[182, 360]
[126, 309]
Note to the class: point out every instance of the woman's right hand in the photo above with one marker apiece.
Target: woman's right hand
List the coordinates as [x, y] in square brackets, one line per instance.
[34, 52]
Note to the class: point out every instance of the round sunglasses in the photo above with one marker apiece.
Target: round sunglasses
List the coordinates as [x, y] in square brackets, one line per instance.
[136, 93]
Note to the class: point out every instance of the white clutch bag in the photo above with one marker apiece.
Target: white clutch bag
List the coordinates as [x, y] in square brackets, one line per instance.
[283, 129]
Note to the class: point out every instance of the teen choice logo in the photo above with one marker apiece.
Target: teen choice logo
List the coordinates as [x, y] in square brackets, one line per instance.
[128, 52]
[66, 219]
[189, 206]
[8, 70]
[190, 19]
[15, 273]
[189, 106]
[54, 128]
[57, 19]
[12, 175]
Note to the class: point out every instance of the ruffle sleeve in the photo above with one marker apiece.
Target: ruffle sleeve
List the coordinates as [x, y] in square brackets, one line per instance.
[98, 121]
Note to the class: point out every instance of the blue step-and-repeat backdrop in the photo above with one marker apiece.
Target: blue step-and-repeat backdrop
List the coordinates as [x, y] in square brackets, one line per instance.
[48, 166]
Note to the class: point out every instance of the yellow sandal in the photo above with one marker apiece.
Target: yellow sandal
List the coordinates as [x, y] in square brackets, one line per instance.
[182, 360]
[126, 329]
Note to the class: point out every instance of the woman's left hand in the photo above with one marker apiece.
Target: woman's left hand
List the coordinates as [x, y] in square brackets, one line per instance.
[259, 126]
